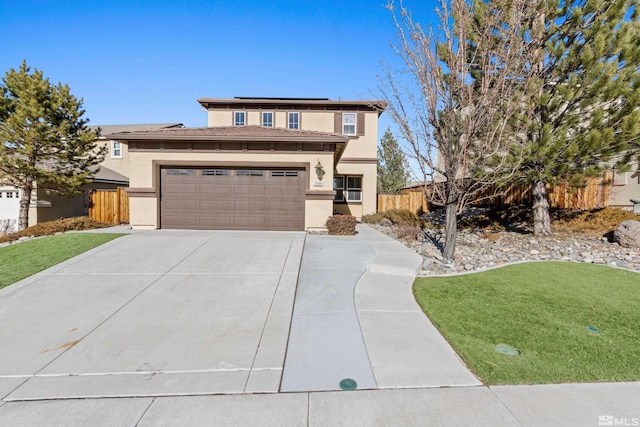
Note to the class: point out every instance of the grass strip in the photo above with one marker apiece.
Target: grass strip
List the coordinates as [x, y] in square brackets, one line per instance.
[24, 259]
[543, 309]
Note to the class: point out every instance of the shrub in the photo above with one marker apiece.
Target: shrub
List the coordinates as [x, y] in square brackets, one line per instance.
[57, 226]
[597, 220]
[408, 233]
[341, 225]
[396, 216]
[373, 218]
[7, 226]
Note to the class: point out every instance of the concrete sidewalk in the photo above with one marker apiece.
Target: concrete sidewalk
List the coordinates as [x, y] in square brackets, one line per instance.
[355, 317]
[580, 405]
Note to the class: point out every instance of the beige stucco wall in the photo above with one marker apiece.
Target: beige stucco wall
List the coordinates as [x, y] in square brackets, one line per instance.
[364, 146]
[368, 171]
[319, 121]
[359, 157]
[143, 213]
[625, 187]
[120, 165]
[144, 174]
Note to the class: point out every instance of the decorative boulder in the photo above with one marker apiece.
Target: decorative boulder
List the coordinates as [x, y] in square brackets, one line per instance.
[628, 234]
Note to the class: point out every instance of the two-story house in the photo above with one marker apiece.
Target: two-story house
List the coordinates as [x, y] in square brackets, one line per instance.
[261, 164]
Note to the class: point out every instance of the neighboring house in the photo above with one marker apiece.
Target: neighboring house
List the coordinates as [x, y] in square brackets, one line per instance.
[112, 173]
[625, 187]
[117, 156]
[46, 206]
[262, 164]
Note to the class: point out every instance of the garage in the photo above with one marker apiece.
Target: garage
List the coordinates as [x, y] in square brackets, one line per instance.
[220, 198]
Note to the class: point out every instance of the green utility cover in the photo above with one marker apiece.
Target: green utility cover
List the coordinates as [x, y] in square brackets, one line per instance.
[348, 384]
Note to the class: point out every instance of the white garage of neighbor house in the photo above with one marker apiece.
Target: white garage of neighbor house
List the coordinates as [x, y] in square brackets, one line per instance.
[261, 164]
[9, 209]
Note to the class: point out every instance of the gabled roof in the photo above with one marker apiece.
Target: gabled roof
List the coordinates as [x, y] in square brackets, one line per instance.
[105, 175]
[107, 129]
[231, 133]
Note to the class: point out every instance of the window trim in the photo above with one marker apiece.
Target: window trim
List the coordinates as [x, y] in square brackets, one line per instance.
[291, 114]
[237, 122]
[113, 149]
[354, 124]
[263, 120]
[180, 172]
[346, 189]
[214, 172]
[249, 172]
[350, 189]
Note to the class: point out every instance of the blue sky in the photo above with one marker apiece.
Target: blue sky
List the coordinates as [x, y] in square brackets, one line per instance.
[147, 62]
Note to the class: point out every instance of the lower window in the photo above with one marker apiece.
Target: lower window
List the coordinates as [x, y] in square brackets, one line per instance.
[347, 188]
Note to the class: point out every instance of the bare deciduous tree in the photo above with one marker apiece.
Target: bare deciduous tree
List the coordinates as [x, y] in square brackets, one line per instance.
[458, 122]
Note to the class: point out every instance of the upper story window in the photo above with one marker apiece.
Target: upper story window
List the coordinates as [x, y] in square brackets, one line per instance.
[116, 150]
[349, 123]
[267, 119]
[293, 121]
[239, 118]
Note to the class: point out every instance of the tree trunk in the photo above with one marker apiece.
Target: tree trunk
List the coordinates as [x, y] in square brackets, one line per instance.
[450, 230]
[541, 217]
[25, 201]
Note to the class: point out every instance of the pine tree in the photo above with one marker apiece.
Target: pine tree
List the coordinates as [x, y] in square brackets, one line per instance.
[44, 140]
[392, 165]
[584, 57]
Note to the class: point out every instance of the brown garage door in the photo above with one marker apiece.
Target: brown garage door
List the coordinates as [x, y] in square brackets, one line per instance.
[232, 199]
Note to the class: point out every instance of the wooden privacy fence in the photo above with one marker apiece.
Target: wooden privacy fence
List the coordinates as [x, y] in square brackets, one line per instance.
[409, 200]
[110, 206]
[594, 195]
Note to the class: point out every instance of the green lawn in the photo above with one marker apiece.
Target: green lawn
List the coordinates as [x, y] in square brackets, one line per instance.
[24, 259]
[542, 309]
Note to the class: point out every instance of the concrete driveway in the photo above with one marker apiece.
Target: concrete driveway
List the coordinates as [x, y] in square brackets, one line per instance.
[154, 313]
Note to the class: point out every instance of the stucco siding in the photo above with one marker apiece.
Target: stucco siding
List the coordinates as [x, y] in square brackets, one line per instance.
[625, 187]
[145, 173]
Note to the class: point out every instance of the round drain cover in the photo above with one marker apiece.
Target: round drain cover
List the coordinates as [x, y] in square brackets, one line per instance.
[507, 349]
[348, 384]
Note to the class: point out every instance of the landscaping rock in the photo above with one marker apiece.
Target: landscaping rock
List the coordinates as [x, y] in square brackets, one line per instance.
[628, 234]
[475, 252]
[386, 222]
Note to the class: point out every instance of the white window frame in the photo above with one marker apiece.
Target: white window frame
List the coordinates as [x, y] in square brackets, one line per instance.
[350, 127]
[116, 149]
[349, 189]
[293, 124]
[344, 193]
[239, 118]
[264, 113]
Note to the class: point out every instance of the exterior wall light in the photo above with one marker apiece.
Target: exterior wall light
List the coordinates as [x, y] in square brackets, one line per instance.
[320, 171]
